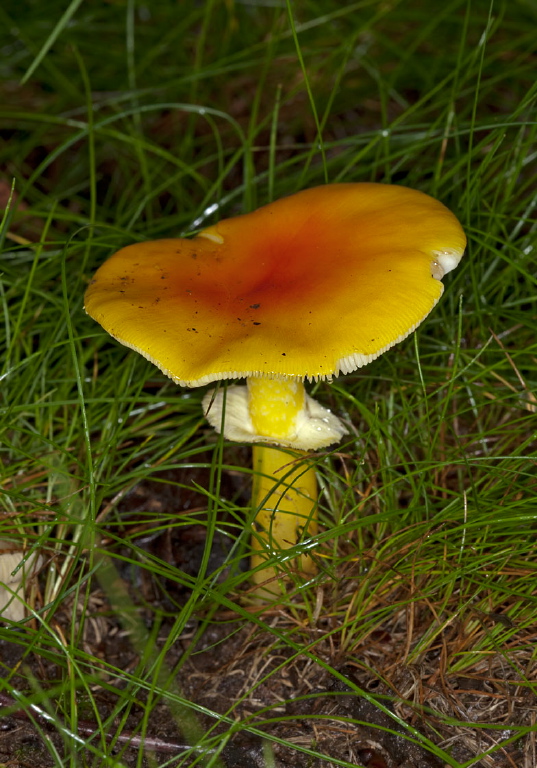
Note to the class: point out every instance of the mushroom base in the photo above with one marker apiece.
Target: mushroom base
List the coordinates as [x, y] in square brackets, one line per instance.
[284, 497]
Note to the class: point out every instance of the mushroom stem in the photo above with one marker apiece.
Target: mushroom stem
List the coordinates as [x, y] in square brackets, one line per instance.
[275, 406]
[285, 490]
[284, 496]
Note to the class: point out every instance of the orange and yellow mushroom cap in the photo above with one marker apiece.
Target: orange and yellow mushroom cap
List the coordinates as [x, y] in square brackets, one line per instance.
[309, 286]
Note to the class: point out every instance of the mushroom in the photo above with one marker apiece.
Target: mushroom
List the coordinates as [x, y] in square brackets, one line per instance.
[305, 288]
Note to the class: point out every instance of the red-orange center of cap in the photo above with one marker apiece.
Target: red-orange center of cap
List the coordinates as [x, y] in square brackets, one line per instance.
[332, 273]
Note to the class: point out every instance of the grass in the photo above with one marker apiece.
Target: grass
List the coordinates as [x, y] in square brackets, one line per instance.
[124, 122]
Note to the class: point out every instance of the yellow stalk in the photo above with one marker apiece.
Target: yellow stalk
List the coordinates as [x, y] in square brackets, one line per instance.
[274, 406]
[284, 489]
